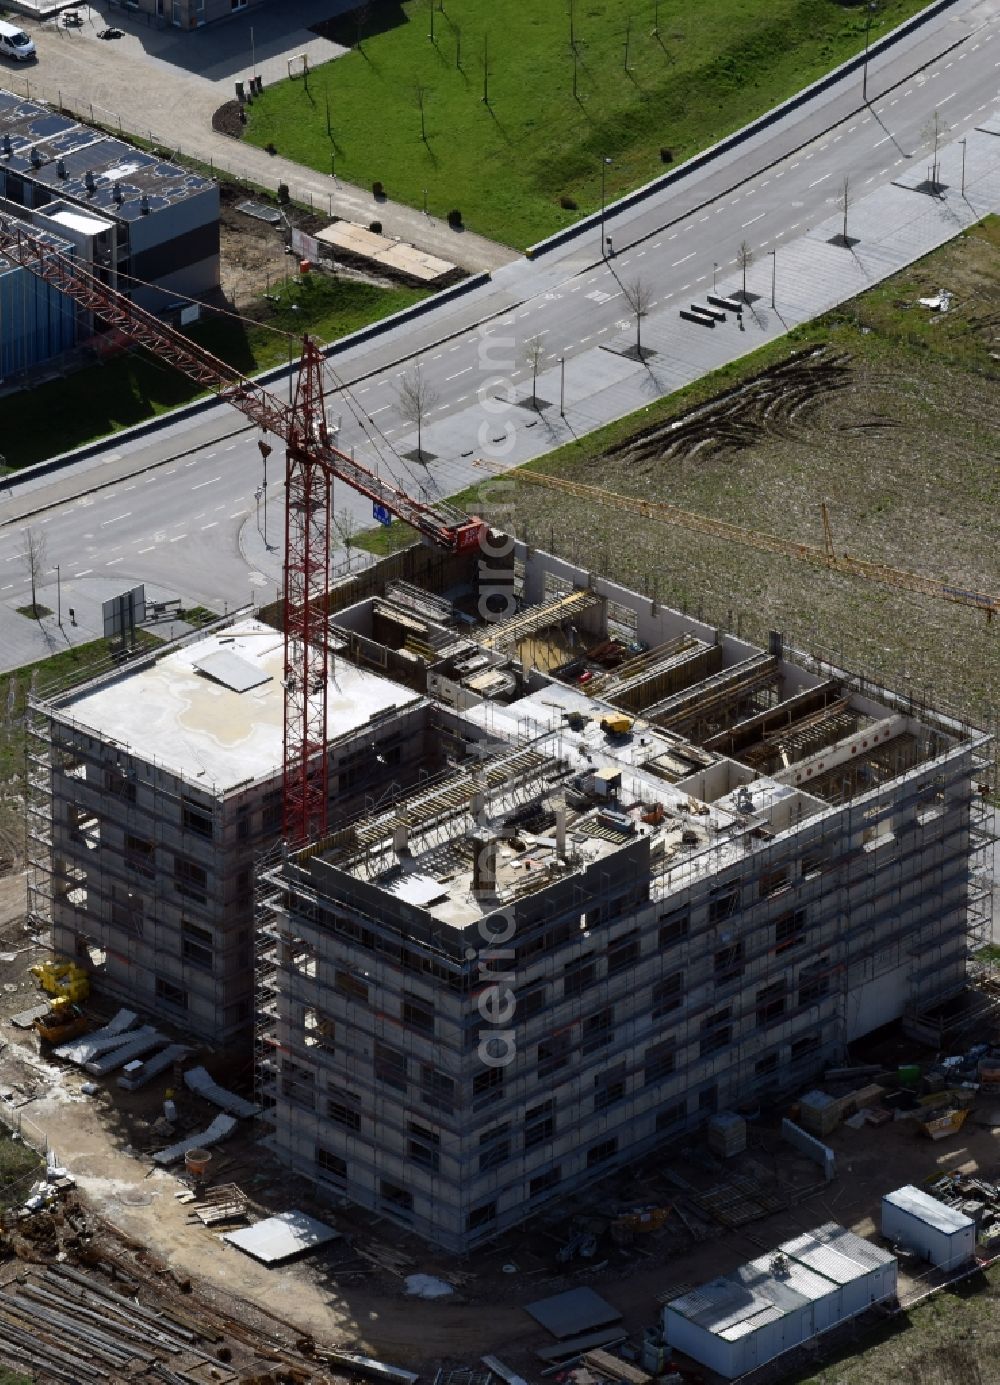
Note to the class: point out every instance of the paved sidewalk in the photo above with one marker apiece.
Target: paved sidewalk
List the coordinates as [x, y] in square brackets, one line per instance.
[160, 84]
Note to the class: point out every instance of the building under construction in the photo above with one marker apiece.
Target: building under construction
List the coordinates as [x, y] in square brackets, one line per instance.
[595, 871]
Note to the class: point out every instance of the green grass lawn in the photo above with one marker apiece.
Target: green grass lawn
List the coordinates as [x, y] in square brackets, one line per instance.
[506, 166]
[104, 398]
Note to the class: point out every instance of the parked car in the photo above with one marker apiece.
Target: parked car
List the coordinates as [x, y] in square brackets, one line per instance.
[15, 43]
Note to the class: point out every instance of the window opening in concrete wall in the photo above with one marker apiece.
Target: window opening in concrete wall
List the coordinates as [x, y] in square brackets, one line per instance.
[140, 855]
[423, 1146]
[418, 1013]
[674, 926]
[716, 1032]
[197, 945]
[487, 1086]
[437, 1089]
[789, 930]
[397, 1198]
[597, 1154]
[197, 819]
[171, 993]
[609, 1087]
[494, 1147]
[84, 826]
[190, 879]
[332, 1167]
[814, 981]
[539, 1123]
[542, 1182]
[318, 1030]
[671, 1116]
[659, 1062]
[481, 1216]
[728, 962]
[724, 903]
[302, 958]
[623, 951]
[355, 988]
[390, 1065]
[343, 1108]
[553, 1053]
[298, 1084]
[598, 1029]
[668, 994]
[771, 1002]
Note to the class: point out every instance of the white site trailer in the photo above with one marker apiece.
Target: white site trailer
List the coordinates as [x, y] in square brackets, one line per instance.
[746, 1318]
[943, 1235]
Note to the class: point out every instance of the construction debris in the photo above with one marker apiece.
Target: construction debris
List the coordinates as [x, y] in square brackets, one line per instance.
[141, 1042]
[224, 1203]
[82, 1050]
[131, 1081]
[356, 1364]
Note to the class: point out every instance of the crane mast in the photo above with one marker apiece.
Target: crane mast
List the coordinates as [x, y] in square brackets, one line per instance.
[311, 466]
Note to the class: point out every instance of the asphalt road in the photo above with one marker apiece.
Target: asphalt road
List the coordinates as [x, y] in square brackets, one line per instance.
[193, 526]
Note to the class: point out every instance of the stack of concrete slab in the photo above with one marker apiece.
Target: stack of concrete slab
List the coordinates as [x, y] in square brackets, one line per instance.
[115, 1032]
[152, 1067]
[199, 1081]
[727, 1134]
[819, 1113]
[143, 1041]
[204, 1139]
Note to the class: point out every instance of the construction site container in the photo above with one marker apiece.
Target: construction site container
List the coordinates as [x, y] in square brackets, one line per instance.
[742, 1320]
[938, 1233]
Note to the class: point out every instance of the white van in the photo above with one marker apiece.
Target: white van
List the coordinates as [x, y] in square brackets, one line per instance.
[15, 43]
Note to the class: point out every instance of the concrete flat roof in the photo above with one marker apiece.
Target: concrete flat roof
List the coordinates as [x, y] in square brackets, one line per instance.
[170, 714]
[928, 1209]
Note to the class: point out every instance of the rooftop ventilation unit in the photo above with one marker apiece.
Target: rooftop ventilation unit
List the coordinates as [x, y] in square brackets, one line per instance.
[117, 193]
[144, 205]
[90, 182]
[36, 158]
[61, 168]
[7, 147]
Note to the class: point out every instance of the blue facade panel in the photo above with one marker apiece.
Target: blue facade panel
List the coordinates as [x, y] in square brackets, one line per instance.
[37, 322]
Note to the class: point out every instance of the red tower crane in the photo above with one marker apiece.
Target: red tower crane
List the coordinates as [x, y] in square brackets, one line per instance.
[311, 466]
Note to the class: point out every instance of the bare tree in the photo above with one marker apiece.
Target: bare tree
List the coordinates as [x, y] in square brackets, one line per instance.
[628, 39]
[744, 258]
[417, 398]
[844, 202]
[348, 527]
[486, 69]
[637, 296]
[534, 350]
[933, 133]
[33, 558]
[420, 94]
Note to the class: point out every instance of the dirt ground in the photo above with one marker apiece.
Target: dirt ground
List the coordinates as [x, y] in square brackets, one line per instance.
[352, 1292]
[894, 426]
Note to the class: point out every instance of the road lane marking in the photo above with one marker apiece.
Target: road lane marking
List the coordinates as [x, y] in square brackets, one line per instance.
[816, 181]
[106, 522]
[457, 374]
[84, 572]
[682, 261]
[759, 217]
[111, 561]
[147, 550]
[213, 525]
[202, 484]
[177, 538]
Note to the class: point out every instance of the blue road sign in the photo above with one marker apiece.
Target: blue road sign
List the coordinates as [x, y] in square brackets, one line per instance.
[381, 513]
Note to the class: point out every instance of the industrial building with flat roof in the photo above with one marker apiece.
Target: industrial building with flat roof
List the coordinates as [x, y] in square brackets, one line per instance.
[149, 227]
[594, 873]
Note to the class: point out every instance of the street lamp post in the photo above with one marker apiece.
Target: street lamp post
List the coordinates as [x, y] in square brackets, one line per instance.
[715, 271]
[58, 598]
[963, 144]
[774, 272]
[604, 169]
[868, 31]
[265, 452]
[562, 386]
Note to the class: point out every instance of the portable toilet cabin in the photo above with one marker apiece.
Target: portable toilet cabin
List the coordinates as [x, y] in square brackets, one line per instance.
[935, 1232]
